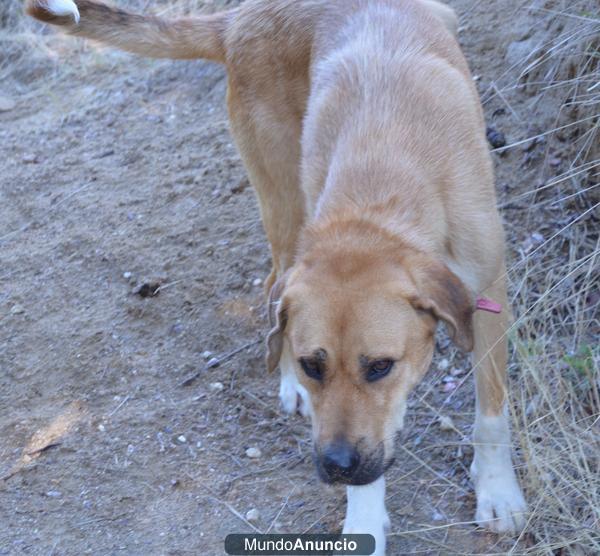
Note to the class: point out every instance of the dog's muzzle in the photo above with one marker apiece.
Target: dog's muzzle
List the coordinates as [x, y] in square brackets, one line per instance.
[342, 462]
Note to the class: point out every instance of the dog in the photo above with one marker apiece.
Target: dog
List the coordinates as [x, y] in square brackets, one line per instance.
[364, 138]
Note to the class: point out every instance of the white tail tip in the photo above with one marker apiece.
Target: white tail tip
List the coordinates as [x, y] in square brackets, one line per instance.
[63, 7]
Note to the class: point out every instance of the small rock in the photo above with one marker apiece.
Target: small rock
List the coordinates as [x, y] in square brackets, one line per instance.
[537, 237]
[6, 104]
[207, 354]
[127, 275]
[443, 365]
[101, 427]
[181, 439]
[446, 423]
[257, 282]
[253, 515]
[437, 516]
[253, 452]
[216, 387]
[30, 158]
[17, 309]
[449, 387]
[53, 494]
[213, 363]
[457, 372]
[495, 138]
[533, 241]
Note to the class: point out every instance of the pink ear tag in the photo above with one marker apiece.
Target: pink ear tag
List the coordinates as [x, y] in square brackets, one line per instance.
[484, 304]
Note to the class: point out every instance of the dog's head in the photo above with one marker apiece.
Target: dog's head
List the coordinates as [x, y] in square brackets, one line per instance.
[360, 328]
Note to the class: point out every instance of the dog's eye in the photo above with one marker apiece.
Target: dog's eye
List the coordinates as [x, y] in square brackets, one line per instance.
[378, 369]
[312, 367]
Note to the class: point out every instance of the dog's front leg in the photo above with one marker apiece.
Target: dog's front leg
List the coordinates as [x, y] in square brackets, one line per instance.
[293, 396]
[366, 513]
[500, 503]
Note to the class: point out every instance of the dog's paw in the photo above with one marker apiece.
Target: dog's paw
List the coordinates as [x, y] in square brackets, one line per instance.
[377, 530]
[294, 397]
[500, 503]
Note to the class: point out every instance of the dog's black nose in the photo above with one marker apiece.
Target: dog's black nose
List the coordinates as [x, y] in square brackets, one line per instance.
[339, 459]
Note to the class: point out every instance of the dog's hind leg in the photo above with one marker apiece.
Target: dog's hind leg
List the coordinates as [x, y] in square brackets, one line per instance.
[268, 138]
[267, 133]
[500, 503]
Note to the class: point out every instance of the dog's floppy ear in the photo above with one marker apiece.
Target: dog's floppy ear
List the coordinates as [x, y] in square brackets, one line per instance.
[277, 320]
[443, 294]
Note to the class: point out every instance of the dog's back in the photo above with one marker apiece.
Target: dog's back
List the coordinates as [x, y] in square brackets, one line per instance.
[283, 54]
[386, 81]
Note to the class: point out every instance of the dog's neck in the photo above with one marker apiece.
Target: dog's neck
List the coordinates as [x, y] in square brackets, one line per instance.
[349, 217]
[360, 236]
[390, 191]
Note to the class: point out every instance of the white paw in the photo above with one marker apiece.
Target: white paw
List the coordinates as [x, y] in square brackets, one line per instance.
[366, 513]
[377, 530]
[63, 7]
[294, 397]
[500, 503]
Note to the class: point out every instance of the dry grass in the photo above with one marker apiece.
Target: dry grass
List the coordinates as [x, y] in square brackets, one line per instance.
[555, 376]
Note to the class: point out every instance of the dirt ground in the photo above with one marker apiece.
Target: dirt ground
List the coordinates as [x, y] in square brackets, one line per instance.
[123, 173]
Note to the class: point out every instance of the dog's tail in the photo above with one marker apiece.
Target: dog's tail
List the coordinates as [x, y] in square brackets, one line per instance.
[185, 38]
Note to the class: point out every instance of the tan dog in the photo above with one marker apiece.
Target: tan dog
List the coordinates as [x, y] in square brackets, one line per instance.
[363, 136]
